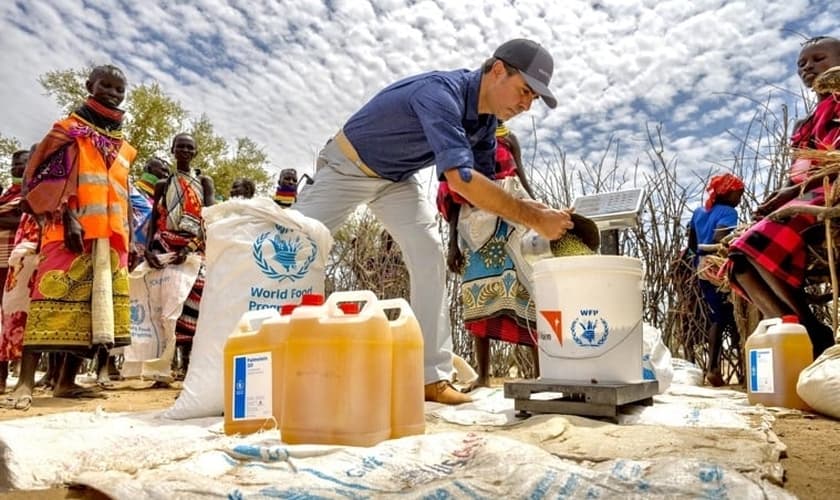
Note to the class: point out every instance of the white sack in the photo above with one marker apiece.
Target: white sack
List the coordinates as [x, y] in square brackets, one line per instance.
[259, 256]
[819, 384]
[157, 298]
[656, 358]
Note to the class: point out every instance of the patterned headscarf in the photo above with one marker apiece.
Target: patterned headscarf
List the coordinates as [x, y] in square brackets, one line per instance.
[719, 185]
[286, 193]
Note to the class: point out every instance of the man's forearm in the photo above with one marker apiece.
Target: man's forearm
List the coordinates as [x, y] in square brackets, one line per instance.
[483, 193]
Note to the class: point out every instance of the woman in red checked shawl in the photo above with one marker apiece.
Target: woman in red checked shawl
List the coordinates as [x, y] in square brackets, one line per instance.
[767, 263]
[508, 316]
[177, 228]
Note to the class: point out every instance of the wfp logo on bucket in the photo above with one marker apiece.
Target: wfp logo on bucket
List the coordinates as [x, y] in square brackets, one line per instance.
[284, 254]
[589, 329]
[138, 312]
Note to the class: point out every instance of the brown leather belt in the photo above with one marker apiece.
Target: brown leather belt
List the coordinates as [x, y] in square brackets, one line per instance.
[349, 151]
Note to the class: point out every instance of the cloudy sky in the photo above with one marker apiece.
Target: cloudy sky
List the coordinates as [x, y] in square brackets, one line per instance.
[288, 73]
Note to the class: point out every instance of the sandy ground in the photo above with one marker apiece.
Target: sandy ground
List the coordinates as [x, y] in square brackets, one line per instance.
[811, 465]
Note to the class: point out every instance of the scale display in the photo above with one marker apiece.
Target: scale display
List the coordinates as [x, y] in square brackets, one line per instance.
[615, 210]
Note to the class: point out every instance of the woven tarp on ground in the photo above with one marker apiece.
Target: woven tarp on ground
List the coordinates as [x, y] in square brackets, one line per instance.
[693, 443]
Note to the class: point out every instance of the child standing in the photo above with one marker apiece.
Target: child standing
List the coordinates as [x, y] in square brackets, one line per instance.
[496, 304]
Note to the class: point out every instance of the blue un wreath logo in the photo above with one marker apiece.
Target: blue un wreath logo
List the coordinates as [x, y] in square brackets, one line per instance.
[137, 312]
[589, 329]
[287, 247]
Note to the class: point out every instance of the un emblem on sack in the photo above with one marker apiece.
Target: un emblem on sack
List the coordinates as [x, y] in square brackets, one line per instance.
[290, 254]
[138, 312]
[589, 329]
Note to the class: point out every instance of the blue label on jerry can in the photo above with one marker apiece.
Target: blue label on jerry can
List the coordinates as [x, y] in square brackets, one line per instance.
[240, 372]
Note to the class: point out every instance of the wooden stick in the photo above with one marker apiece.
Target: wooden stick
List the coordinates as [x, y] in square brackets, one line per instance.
[821, 213]
[829, 244]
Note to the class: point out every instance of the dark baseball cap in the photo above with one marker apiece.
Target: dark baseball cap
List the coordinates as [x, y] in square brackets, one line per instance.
[534, 63]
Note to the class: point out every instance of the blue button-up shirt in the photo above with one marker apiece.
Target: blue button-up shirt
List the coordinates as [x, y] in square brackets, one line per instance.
[424, 120]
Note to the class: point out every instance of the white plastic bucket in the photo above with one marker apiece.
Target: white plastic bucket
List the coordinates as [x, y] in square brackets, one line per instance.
[589, 318]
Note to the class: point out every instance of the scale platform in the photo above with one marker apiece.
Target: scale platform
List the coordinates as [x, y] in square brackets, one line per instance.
[615, 210]
[578, 397]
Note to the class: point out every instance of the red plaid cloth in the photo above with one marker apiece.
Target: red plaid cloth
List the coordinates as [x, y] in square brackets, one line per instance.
[779, 246]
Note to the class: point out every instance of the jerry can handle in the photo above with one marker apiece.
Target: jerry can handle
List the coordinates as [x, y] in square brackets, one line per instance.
[252, 320]
[397, 303]
[370, 307]
[764, 324]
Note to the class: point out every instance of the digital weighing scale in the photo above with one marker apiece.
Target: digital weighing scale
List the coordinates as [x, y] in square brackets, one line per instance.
[611, 212]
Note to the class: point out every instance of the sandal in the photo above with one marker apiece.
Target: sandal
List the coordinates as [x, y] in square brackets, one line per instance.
[80, 392]
[21, 403]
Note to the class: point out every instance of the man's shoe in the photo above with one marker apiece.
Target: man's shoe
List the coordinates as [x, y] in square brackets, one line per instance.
[443, 392]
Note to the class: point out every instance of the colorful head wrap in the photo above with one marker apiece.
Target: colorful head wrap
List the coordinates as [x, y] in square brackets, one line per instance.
[720, 185]
[286, 193]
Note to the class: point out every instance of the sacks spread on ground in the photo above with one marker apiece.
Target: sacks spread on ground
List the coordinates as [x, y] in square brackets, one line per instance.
[714, 446]
[656, 358]
[686, 372]
[259, 256]
[157, 297]
[819, 384]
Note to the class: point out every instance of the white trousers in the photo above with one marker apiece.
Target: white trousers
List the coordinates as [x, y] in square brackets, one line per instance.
[339, 187]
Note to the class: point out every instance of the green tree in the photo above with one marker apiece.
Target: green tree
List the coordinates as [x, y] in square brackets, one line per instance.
[153, 119]
[67, 86]
[211, 147]
[215, 159]
[248, 161]
[8, 145]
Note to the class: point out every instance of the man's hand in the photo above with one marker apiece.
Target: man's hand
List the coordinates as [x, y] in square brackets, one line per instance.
[550, 223]
[181, 256]
[455, 259]
[74, 233]
[152, 259]
[776, 200]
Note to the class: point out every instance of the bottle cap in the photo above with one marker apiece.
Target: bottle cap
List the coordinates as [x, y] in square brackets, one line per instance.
[349, 307]
[311, 299]
[790, 318]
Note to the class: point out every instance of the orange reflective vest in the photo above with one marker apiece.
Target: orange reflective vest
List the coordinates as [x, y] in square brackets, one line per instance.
[102, 196]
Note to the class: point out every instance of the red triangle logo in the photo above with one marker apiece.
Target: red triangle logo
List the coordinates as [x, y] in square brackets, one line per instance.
[554, 321]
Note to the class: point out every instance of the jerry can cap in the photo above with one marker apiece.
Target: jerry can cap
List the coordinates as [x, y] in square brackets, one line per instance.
[790, 318]
[287, 309]
[349, 307]
[312, 299]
